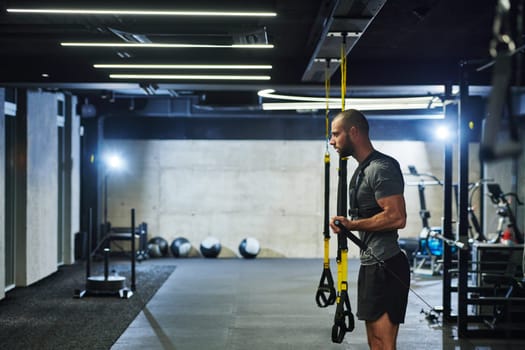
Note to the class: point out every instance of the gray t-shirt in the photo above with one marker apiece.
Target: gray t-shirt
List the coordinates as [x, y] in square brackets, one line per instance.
[381, 177]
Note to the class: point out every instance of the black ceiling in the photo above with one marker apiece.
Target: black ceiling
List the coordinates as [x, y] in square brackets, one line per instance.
[408, 42]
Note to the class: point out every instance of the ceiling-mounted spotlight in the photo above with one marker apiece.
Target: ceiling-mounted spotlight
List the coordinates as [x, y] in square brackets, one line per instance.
[87, 110]
[258, 36]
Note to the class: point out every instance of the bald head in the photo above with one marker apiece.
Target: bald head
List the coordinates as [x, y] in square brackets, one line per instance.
[352, 117]
[350, 135]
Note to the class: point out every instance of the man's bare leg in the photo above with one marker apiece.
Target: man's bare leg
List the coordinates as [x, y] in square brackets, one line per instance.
[382, 333]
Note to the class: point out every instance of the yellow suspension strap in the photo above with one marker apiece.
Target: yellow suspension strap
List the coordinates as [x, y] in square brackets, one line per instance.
[343, 73]
[326, 291]
[343, 318]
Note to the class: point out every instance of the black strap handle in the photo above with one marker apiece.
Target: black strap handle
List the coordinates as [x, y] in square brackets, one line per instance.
[362, 245]
[343, 319]
[326, 294]
[351, 236]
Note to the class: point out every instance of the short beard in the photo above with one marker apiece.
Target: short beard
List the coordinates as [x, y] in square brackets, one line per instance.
[349, 148]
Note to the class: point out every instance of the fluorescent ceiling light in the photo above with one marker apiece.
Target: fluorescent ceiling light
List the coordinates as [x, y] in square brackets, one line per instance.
[365, 104]
[159, 45]
[270, 93]
[189, 77]
[349, 103]
[143, 12]
[184, 66]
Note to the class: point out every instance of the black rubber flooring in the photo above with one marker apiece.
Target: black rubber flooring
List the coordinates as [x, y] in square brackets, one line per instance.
[46, 316]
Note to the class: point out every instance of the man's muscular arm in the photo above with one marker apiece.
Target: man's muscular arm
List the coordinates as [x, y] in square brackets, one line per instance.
[392, 217]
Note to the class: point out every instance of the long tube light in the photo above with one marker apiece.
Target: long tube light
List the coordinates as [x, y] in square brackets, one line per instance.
[184, 66]
[431, 101]
[350, 103]
[270, 93]
[167, 45]
[189, 77]
[143, 12]
[367, 104]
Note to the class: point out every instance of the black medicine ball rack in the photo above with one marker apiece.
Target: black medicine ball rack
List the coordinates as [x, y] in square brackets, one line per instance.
[105, 284]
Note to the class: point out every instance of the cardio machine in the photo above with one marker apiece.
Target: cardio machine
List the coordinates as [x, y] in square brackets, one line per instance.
[430, 248]
[506, 217]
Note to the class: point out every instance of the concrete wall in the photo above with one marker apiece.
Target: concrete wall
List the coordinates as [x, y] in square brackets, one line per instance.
[36, 186]
[271, 190]
[2, 197]
[40, 248]
[71, 179]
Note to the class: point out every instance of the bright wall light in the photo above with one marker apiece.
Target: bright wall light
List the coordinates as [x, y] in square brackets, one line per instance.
[114, 162]
[189, 77]
[184, 66]
[168, 45]
[442, 133]
[143, 12]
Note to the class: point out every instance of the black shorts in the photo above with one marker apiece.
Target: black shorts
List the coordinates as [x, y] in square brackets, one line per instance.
[380, 291]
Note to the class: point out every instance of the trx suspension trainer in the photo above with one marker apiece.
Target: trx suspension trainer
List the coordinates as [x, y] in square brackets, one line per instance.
[343, 318]
[326, 291]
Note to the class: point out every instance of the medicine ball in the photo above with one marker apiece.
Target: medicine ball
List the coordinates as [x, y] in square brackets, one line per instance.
[210, 247]
[154, 250]
[249, 248]
[180, 247]
[157, 247]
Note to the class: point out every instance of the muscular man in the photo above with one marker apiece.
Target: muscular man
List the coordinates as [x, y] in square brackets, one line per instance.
[377, 211]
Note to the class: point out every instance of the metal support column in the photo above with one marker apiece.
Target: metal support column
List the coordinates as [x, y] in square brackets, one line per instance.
[450, 116]
[463, 255]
